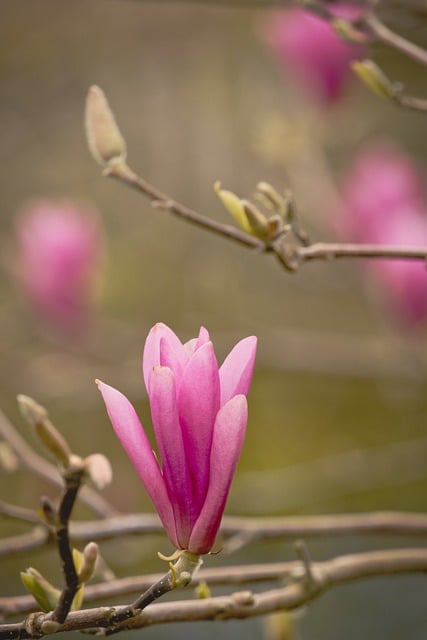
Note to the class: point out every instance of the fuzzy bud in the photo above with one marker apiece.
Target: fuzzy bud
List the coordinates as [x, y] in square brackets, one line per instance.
[105, 141]
[90, 556]
[99, 470]
[37, 417]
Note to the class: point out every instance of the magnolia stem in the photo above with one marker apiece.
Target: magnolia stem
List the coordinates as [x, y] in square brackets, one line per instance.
[73, 480]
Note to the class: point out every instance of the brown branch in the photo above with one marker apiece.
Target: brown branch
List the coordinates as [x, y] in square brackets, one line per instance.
[124, 174]
[18, 513]
[289, 527]
[385, 35]
[289, 254]
[330, 251]
[35, 463]
[411, 102]
[324, 575]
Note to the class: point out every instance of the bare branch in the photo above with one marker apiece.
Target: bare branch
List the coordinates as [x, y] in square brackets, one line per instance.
[325, 575]
[389, 37]
[48, 471]
[289, 254]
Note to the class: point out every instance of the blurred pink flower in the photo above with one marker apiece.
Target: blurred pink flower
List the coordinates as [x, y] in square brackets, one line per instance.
[311, 52]
[385, 202]
[60, 252]
[199, 415]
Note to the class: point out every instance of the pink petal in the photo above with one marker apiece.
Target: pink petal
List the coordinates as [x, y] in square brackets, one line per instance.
[195, 343]
[132, 436]
[198, 404]
[165, 348]
[168, 434]
[237, 369]
[229, 434]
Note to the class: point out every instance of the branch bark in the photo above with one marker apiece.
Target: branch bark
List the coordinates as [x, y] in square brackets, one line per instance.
[324, 575]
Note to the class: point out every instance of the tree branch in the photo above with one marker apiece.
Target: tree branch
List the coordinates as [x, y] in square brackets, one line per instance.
[324, 575]
[289, 254]
[35, 463]
[383, 34]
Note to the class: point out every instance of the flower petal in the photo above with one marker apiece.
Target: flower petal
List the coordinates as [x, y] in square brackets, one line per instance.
[165, 348]
[132, 436]
[229, 434]
[237, 369]
[195, 343]
[198, 404]
[167, 430]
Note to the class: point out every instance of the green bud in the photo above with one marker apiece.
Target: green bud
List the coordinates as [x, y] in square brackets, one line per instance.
[374, 78]
[258, 222]
[203, 591]
[45, 593]
[234, 206]
[270, 198]
[279, 626]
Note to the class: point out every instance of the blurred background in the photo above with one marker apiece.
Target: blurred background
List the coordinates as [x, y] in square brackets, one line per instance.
[338, 407]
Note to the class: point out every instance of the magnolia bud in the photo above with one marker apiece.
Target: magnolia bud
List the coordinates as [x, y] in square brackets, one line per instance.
[90, 556]
[99, 470]
[234, 206]
[37, 417]
[374, 78]
[105, 141]
[45, 594]
[258, 222]
[270, 197]
[279, 626]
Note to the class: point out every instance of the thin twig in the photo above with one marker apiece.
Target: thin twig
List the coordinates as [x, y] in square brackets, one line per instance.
[389, 37]
[124, 174]
[331, 250]
[18, 513]
[411, 102]
[326, 574]
[289, 254]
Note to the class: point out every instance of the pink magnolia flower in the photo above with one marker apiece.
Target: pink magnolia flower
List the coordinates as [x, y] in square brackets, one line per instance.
[199, 414]
[311, 52]
[60, 252]
[385, 203]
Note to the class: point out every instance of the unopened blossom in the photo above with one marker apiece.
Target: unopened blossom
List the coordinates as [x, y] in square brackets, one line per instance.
[385, 202]
[199, 415]
[59, 256]
[311, 52]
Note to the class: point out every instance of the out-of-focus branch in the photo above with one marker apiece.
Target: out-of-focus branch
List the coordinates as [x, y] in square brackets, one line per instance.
[330, 250]
[38, 465]
[323, 575]
[240, 531]
[383, 34]
[287, 527]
